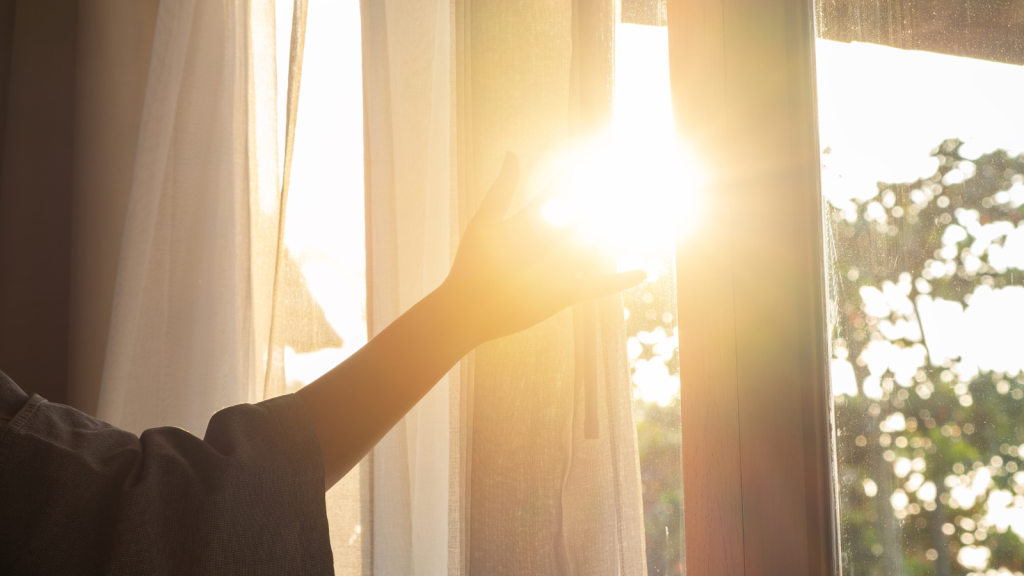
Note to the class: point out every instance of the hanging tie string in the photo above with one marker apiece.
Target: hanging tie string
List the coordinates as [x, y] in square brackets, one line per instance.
[590, 353]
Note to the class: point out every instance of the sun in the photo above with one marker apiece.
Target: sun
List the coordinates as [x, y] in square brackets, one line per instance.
[633, 189]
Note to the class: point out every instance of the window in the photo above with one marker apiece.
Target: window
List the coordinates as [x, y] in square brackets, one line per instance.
[910, 292]
[755, 409]
[923, 174]
[324, 238]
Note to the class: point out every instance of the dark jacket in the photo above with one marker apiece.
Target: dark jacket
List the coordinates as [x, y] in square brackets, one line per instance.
[78, 496]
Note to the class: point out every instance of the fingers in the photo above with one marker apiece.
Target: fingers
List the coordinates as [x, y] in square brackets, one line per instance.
[498, 198]
[608, 284]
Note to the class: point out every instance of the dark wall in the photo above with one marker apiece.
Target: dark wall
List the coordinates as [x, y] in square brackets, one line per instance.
[37, 80]
[6, 36]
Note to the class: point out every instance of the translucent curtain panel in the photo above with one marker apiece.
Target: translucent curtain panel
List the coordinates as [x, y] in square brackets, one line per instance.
[535, 478]
[497, 452]
[409, 245]
[114, 45]
[188, 332]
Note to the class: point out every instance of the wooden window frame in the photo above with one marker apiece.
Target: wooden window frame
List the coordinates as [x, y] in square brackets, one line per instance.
[758, 442]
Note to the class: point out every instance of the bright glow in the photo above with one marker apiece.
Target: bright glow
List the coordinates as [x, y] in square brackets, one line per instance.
[879, 116]
[1005, 511]
[870, 488]
[984, 336]
[632, 189]
[969, 488]
[974, 557]
[325, 224]
[895, 422]
[558, 211]
[899, 499]
[304, 368]
[844, 380]
[651, 376]
[927, 492]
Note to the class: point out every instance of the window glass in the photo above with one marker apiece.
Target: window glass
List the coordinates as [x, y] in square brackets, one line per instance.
[923, 185]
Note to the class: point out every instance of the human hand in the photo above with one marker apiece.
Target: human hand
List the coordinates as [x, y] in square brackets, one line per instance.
[512, 273]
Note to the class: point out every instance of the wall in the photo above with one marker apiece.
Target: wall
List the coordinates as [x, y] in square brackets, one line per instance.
[72, 84]
[115, 38]
[35, 193]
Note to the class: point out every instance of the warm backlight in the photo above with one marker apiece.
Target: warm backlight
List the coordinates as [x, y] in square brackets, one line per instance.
[634, 188]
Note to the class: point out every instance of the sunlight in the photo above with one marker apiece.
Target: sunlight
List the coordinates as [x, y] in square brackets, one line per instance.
[325, 220]
[635, 192]
[631, 192]
[980, 105]
[880, 113]
[936, 336]
[633, 189]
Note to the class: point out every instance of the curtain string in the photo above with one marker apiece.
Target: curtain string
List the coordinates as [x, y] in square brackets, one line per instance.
[298, 42]
[590, 352]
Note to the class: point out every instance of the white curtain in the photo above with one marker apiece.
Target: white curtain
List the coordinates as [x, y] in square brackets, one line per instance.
[498, 452]
[411, 218]
[493, 472]
[189, 331]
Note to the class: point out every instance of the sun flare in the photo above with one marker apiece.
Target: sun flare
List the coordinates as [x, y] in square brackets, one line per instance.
[632, 189]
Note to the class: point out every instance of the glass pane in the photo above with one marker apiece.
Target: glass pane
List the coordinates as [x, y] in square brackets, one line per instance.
[642, 128]
[923, 180]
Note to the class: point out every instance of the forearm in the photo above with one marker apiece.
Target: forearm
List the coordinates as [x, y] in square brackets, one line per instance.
[354, 405]
[509, 274]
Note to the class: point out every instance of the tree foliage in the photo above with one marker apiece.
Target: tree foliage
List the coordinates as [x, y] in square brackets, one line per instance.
[929, 451]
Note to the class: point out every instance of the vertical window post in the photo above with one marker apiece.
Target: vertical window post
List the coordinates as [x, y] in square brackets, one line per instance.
[757, 436]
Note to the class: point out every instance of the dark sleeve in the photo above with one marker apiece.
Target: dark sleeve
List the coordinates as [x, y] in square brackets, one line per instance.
[78, 496]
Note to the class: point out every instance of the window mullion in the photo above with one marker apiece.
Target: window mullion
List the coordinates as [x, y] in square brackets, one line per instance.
[756, 433]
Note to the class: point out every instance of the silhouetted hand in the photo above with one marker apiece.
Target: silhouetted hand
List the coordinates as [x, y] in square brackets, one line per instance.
[512, 273]
[508, 275]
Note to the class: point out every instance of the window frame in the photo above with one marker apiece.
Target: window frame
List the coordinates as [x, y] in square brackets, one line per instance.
[758, 441]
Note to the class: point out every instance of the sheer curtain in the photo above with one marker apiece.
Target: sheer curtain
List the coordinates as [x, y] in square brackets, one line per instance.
[188, 332]
[208, 296]
[494, 471]
[498, 451]
[410, 217]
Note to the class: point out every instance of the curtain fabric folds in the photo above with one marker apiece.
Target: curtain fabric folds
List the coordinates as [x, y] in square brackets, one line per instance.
[207, 295]
[408, 103]
[189, 330]
[499, 451]
[496, 471]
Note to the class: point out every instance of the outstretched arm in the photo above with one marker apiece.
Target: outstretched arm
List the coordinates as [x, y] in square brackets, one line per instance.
[509, 274]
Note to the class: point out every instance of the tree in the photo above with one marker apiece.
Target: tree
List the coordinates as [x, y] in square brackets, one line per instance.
[929, 439]
[654, 345]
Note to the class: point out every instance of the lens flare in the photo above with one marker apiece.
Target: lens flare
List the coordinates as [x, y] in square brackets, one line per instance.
[630, 191]
[636, 188]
